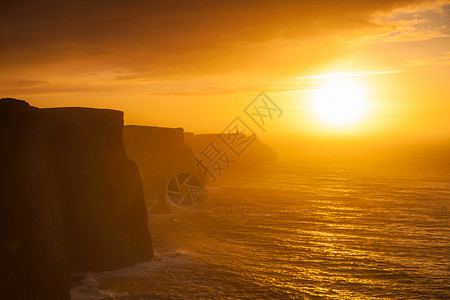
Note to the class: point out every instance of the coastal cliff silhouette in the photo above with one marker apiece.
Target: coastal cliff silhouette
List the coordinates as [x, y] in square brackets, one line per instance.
[70, 198]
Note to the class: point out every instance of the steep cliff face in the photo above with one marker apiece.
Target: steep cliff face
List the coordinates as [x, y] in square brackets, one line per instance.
[106, 215]
[159, 153]
[69, 198]
[33, 257]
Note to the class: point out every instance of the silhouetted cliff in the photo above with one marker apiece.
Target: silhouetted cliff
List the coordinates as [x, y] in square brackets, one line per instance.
[33, 261]
[102, 192]
[69, 198]
[160, 153]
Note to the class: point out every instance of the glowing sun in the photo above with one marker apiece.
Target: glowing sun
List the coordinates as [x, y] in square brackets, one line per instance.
[341, 102]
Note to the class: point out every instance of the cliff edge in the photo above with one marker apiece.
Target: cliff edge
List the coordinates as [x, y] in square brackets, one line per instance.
[160, 153]
[70, 199]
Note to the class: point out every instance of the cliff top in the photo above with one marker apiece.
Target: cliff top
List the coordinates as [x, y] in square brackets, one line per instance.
[145, 127]
[14, 102]
[11, 103]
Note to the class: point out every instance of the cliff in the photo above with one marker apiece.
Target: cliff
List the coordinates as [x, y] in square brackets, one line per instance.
[33, 262]
[69, 198]
[102, 192]
[160, 153]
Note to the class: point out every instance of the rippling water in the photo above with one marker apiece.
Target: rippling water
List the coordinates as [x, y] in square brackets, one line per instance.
[299, 231]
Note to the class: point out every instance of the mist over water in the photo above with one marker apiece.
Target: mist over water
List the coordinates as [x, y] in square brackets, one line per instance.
[295, 230]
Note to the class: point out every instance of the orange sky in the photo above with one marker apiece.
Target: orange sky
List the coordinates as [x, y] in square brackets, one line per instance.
[198, 64]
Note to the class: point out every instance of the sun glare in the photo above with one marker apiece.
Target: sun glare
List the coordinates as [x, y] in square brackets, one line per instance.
[341, 102]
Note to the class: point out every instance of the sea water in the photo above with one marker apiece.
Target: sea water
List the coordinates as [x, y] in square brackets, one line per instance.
[298, 231]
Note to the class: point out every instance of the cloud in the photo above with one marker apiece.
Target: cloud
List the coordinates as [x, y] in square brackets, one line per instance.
[169, 38]
[93, 47]
[443, 60]
[220, 91]
[423, 21]
[404, 31]
[353, 74]
[22, 83]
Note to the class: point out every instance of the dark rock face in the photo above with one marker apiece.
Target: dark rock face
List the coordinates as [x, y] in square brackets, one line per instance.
[106, 215]
[159, 153]
[33, 261]
[69, 198]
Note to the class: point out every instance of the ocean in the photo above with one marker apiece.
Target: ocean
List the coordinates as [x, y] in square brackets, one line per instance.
[296, 230]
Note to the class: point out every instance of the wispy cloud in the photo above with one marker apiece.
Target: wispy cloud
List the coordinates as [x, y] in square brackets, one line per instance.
[443, 60]
[352, 74]
[22, 83]
[418, 22]
[224, 90]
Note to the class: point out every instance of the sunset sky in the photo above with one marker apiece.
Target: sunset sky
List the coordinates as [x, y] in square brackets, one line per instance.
[197, 64]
